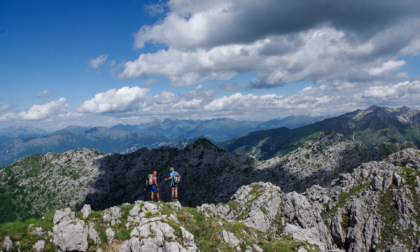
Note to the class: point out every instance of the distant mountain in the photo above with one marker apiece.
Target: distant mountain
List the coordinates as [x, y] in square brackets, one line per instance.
[290, 122]
[373, 126]
[16, 132]
[97, 138]
[216, 129]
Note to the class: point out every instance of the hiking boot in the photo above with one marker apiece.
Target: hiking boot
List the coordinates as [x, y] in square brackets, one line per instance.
[173, 200]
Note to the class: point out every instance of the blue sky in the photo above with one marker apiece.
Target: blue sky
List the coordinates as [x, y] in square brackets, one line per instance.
[107, 62]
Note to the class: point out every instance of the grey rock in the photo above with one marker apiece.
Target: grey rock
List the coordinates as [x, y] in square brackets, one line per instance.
[93, 234]
[7, 244]
[377, 183]
[230, 238]
[259, 210]
[86, 210]
[39, 245]
[63, 215]
[110, 235]
[112, 215]
[135, 210]
[408, 158]
[152, 208]
[310, 235]
[188, 240]
[69, 233]
[36, 230]
[299, 211]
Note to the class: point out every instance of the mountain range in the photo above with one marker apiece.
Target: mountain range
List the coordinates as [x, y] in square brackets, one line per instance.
[344, 200]
[16, 142]
[373, 126]
[216, 129]
[356, 190]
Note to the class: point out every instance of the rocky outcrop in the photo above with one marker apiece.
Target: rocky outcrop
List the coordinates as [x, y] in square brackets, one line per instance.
[7, 244]
[376, 207]
[70, 233]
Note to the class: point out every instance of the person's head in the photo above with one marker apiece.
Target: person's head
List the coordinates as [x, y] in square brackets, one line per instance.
[154, 173]
[171, 169]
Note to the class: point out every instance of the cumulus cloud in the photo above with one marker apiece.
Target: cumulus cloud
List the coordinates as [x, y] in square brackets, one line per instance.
[112, 101]
[39, 112]
[280, 41]
[389, 66]
[98, 62]
[44, 93]
[202, 103]
[212, 23]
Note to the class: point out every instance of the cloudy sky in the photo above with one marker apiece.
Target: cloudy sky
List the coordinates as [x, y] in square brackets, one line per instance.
[107, 62]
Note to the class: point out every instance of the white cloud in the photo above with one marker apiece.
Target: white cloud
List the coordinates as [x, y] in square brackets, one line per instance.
[135, 105]
[407, 91]
[39, 112]
[387, 67]
[98, 62]
[155, 9]
[112, 101]
[216, 40]
[44, 93]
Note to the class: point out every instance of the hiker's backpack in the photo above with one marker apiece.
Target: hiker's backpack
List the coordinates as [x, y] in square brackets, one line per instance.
[148, 185]
[177, 178]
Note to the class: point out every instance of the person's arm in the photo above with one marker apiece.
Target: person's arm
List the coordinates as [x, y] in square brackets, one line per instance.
[170, 177]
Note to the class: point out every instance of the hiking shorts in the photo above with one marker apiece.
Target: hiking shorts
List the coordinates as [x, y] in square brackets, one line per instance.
[153, 189]
[174, 185]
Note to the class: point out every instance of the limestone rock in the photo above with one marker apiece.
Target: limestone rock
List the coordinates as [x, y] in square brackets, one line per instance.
[109, 235]
[188, 239]
[112, 215]
[93, 234]
[39, 245]
[408, 158]
[69, 232]
[152, 208]
[63, 215]
[310, 235]
[258, 206]
[7, 244]
[230, 238]
[86, 210]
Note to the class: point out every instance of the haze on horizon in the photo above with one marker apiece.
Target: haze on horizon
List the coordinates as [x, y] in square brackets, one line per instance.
[103, 63]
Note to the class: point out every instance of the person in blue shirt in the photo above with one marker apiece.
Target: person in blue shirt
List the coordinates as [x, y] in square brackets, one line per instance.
[174, 186]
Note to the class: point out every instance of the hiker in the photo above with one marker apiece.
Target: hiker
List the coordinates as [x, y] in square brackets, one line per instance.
[154, 189]
[175, 178]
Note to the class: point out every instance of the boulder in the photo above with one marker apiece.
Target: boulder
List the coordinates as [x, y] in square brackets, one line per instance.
[86, 210]
[7, 244]
[69, 233]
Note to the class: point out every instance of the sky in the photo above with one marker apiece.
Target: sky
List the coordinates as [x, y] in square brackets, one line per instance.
[102, 63]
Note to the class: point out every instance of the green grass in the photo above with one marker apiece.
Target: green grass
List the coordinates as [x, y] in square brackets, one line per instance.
[390, 215]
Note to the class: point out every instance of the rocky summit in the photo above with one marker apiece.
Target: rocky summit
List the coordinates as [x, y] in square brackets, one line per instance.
[375, 207]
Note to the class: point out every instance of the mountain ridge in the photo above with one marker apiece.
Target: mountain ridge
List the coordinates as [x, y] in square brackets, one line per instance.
[372, 126]
[372, 208]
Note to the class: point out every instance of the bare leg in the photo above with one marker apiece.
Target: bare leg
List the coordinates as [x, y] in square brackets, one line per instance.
[151, 196]
[176, 192]
[173, 192]
[157, 196]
